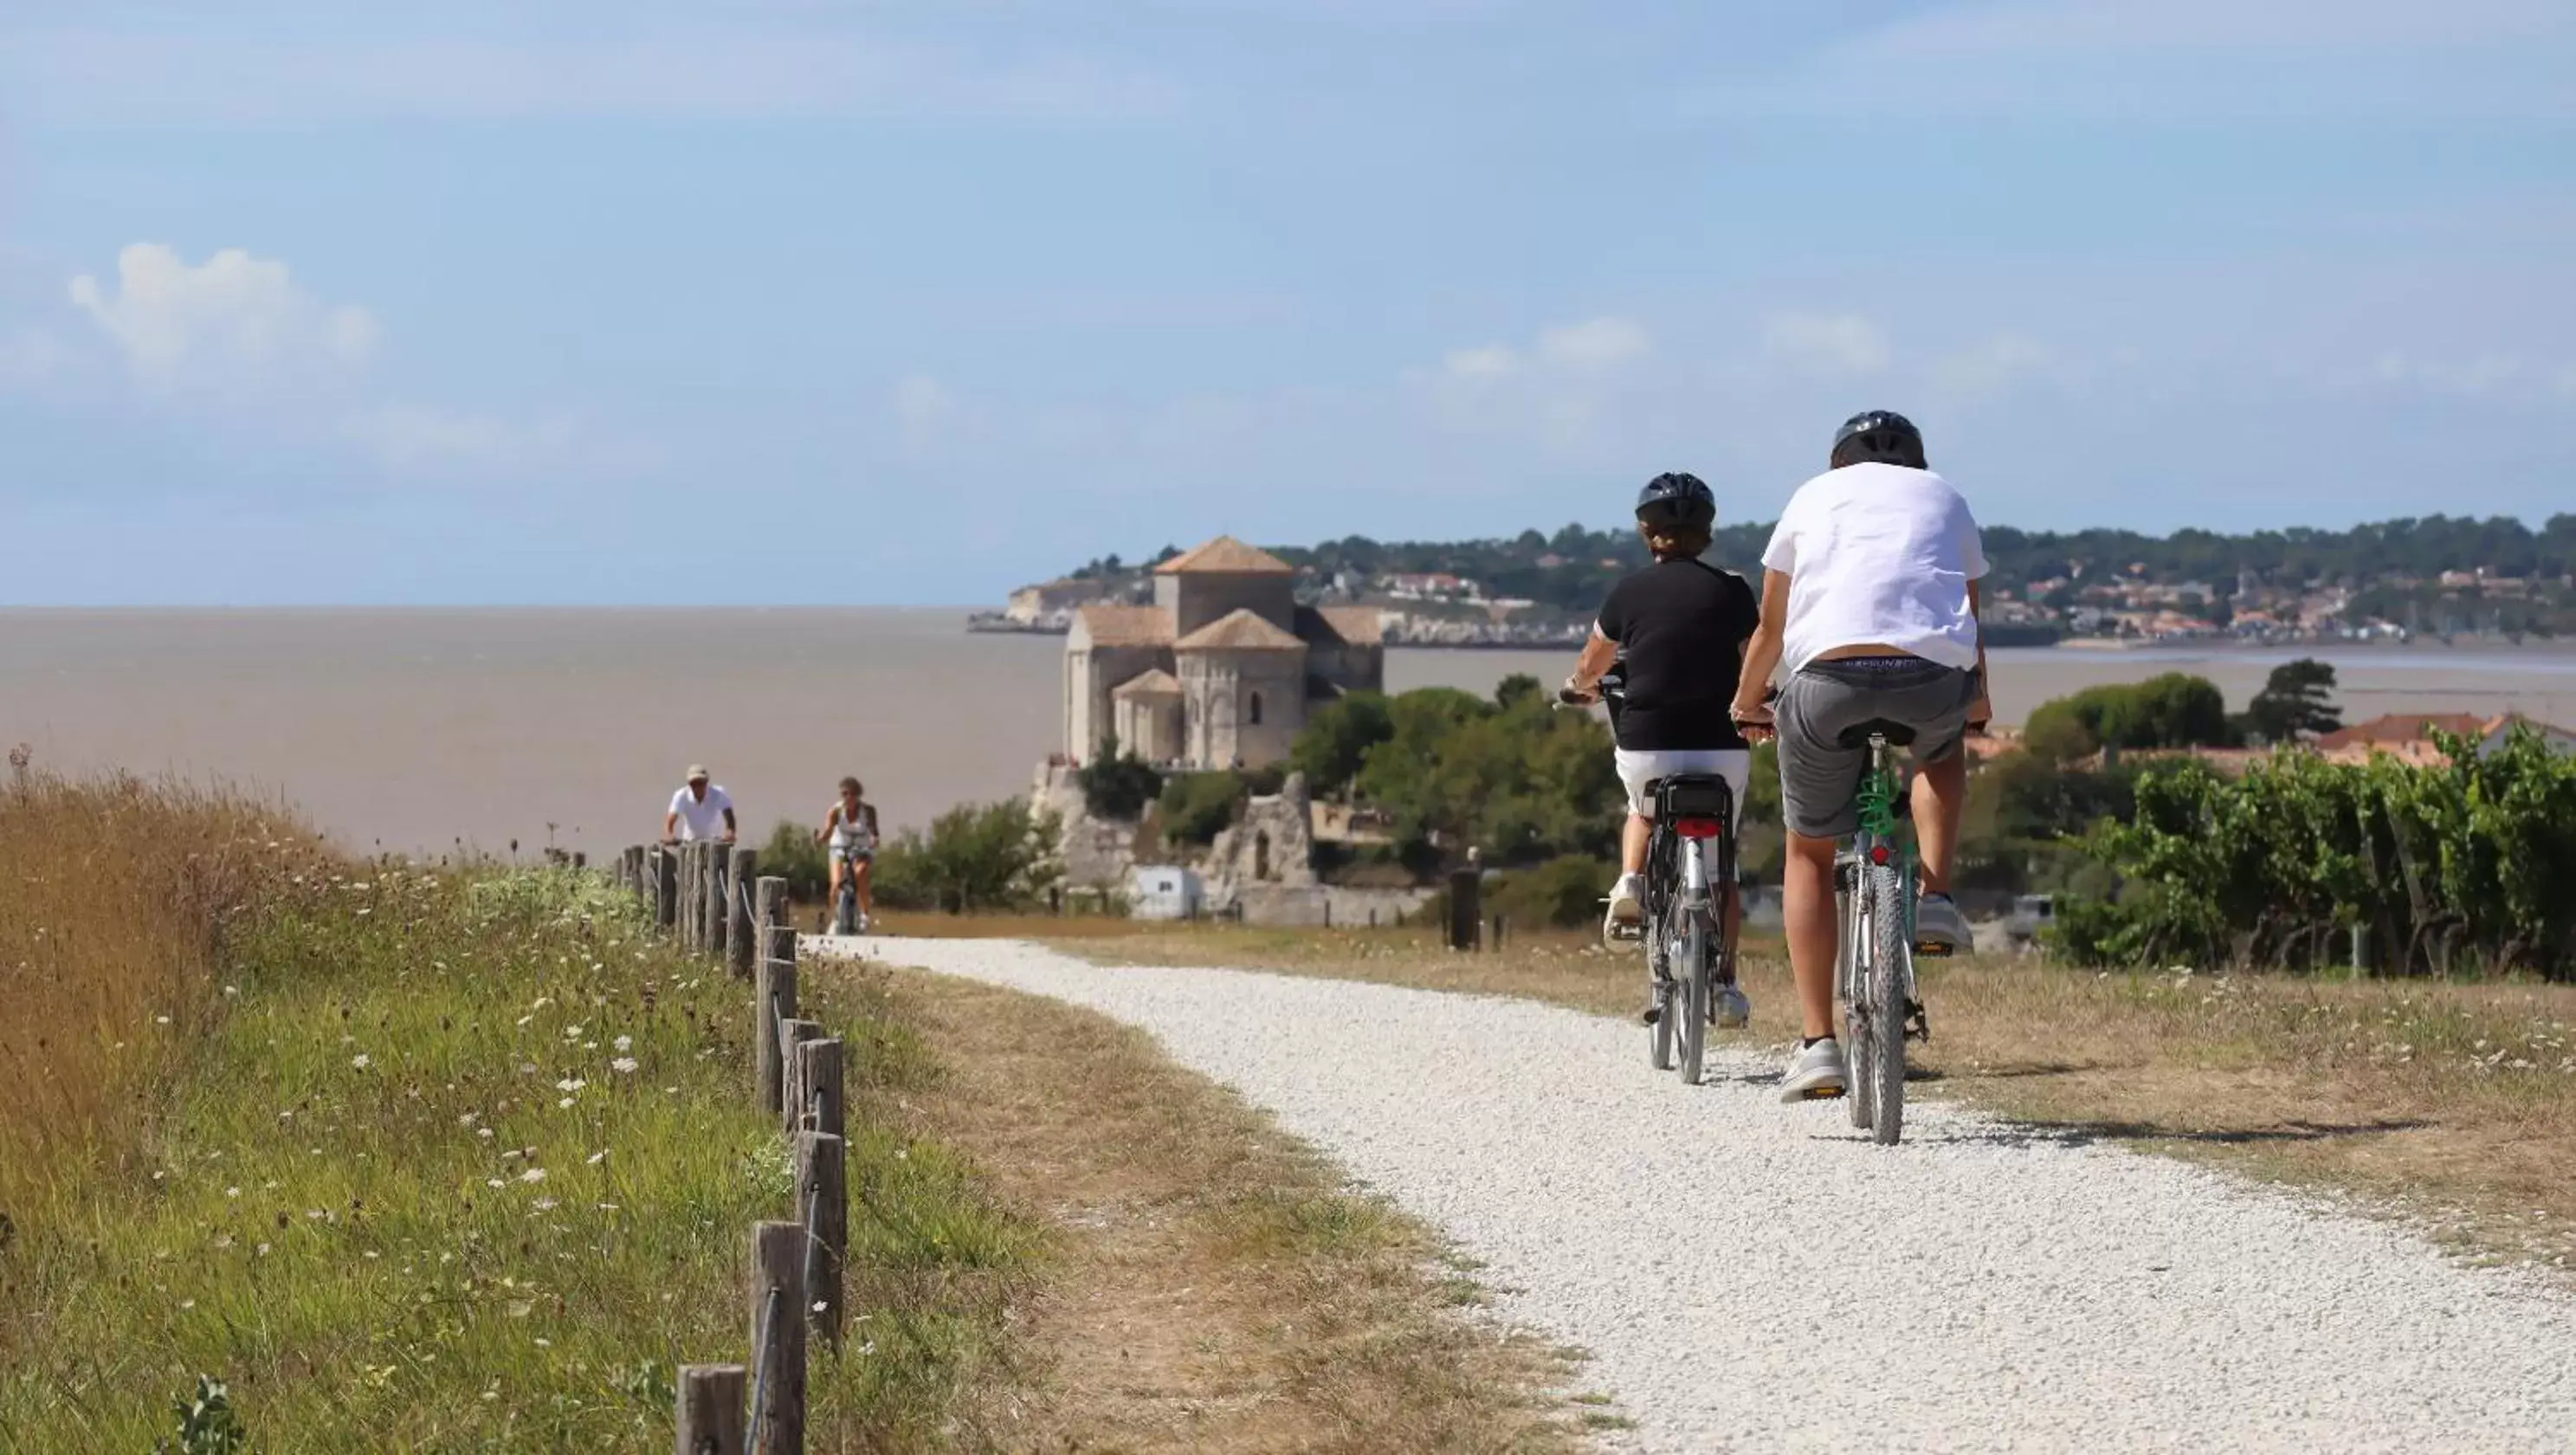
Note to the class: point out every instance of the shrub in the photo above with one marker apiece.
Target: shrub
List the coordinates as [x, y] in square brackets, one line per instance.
[1118, 785]
[2175, 710]
[1198, 806]
[791, 854]
[1336, 739]
[1565, 890]
[975, 856]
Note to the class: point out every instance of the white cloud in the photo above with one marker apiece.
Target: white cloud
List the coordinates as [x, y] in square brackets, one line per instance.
[1826, 345]
[1558, 388]
[2486, 373]
[232, 325]
[236, 338]
[1595, 345]
[1991, 368]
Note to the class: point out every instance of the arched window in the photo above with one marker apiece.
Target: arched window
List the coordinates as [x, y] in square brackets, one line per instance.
[1253, 715]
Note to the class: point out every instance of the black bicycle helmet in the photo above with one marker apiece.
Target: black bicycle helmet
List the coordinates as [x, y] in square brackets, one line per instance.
[1677, 500]
[1878, 436]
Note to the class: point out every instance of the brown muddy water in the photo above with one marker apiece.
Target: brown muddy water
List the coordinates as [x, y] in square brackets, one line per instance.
[415, 730]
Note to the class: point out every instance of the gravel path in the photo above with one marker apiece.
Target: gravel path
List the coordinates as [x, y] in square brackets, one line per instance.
[1751, 1276]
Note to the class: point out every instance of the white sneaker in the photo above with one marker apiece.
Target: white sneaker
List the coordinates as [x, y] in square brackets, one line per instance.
[1734, 1008]
[1627, 906]
[1939, 928]
[1815, 1073]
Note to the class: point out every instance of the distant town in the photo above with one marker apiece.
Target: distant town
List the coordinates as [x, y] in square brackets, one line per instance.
[2437, 577]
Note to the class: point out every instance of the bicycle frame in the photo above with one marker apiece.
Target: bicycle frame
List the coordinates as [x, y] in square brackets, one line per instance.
[1880, 839]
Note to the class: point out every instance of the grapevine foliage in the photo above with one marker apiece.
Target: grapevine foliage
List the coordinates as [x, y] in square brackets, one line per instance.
[2469, 863]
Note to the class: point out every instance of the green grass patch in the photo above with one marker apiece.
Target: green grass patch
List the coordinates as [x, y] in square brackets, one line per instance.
[470, 1164]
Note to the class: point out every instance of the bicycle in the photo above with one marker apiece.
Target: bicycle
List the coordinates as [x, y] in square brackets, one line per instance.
[846, 919]
[1874, 897]
[1686, 946]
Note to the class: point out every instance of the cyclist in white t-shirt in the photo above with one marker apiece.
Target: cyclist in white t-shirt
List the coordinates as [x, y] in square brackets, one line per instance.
[1870, 600]
[700, 810]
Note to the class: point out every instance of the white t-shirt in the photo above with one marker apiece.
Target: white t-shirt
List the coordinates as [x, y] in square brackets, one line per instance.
[1878, 553]
[701, 818]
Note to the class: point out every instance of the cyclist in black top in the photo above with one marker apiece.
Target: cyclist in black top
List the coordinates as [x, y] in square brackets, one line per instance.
[1679, 626]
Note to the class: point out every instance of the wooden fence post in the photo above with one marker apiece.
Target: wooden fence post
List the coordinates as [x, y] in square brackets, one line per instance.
[719, 896]
[792, 1035]
[823, 1199]
[701, 885]
[692, 895]
[775, 994]
[710, 1413]
[739, 944]
[819, 1074]
[768, 910]
[666, 889]
[778, 1314]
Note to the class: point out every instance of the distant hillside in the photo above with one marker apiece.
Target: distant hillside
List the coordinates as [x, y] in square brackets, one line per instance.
[2440, 575]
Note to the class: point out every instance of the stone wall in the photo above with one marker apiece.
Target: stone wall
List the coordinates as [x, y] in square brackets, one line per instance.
[1219, 689]
[1195, 598]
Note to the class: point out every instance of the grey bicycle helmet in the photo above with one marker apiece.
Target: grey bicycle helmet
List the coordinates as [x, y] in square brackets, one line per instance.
[1878, 436]
[1677, 499]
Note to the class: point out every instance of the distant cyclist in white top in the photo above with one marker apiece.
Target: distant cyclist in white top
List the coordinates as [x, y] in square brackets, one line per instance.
[1870, 599]
[851, 829]
[700, 810]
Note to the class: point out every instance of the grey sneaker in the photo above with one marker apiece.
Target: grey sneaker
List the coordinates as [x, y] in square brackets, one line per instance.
[1627, 907]
[1814, 1073]
[1734, 1008]
[1939, 928]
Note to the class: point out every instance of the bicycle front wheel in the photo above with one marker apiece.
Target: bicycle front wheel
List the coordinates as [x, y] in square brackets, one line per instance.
[1691, 1003]
[1890, 954]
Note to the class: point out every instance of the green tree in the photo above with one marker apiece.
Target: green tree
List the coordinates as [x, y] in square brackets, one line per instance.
[2297, 701]
[975, 856]
[1336, 740]
[1118, 785]
[1198, 806]
[2174, 710]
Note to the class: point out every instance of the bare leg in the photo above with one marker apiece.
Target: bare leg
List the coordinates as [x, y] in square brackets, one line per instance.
[1940, 801]
[834, 895]
[866, 870]
[1633, 842]
[1807, 913]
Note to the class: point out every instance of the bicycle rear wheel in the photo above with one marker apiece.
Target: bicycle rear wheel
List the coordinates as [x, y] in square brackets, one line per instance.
[1659, 1036]
[1690, 1003]
[1851, 963]
[1889, 955]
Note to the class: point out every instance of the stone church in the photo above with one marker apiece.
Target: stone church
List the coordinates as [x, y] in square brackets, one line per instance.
[1221, 670]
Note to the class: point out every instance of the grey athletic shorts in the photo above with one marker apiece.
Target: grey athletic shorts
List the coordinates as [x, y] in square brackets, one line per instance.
[1818, 775]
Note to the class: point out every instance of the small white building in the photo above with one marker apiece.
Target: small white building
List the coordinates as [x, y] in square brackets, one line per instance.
[1164, 891]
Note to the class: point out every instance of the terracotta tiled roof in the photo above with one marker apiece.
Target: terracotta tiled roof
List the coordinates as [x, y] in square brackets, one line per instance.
[1125, 626]
[2402, 727]
[1229, 555]
[1240, 630]
[1157, 683]
[1359, 626]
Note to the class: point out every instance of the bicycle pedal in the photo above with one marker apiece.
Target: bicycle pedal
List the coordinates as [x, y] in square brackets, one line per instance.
[1628, 934]
[1933, 950]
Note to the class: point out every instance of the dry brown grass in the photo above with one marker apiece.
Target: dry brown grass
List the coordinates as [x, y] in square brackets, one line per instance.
[114, 898]
[2452, 1104]
[1212, 1286]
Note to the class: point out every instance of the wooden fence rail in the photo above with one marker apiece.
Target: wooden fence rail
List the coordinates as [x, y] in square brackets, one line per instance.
[712, 901]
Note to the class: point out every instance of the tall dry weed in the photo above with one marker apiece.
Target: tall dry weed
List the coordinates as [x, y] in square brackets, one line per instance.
[115, 895]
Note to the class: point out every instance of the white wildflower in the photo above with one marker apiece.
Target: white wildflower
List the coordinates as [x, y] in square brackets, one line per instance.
[360, 1061]
[598, 1157]
[622, 1064]
[533, 1174]
[626, 1043]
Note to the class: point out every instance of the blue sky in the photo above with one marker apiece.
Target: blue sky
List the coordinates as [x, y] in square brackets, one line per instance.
[893, 301]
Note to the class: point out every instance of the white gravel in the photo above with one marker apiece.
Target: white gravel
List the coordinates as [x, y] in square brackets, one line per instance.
[1751, 1276]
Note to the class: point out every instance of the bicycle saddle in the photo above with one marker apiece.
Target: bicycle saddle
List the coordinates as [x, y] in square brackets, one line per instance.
[1859, 733]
